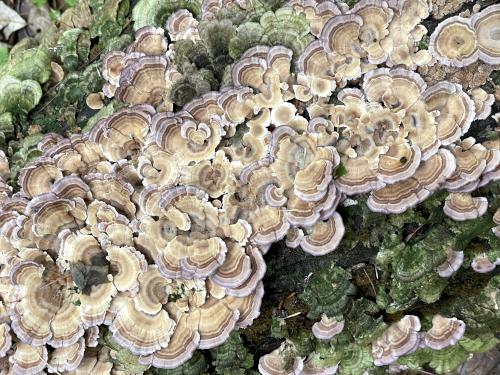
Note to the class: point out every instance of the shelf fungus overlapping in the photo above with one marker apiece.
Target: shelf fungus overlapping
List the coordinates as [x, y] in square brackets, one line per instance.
[151, 228]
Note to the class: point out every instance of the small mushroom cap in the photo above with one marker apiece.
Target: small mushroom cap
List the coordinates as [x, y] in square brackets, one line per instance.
[454, 260]
[248, 307]
[326, 328]
[149, 41]
[236, 268]
[463, 206]
[486, 26]
[152, 293]
[444, 332]
[359, 178]
[5, 339]
[324, 236]
[216, 321]
[454, 42]
[399, 339]
[281, 362]
[127, 264]
[67, 358]
[28, 360]
[482, 264]
[398, 163]
[456, 110]
[181, 347]
[143, 81]
[181, 25]
[398, 197]
[141, 333]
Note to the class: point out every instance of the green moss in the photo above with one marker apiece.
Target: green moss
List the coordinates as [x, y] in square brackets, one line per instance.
[232, 357]
[28, 64]
[74, 48]
[195, 366]
[18, 96]
[123, 358]
[156, 12]
[328, 292]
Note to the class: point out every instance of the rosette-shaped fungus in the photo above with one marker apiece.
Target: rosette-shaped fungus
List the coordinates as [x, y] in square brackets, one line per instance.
[139, 75]
[181, 25]
[399, 339]
[101, 234]
[444, 332]
[459, 41]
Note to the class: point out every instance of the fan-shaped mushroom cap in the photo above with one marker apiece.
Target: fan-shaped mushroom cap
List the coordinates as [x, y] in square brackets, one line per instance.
[456, 110]
[250, 285]
[324, 236]
[376, 17]
[28, 360]
[281, 361]
[120, 134]
[396, 88]
[317, 12]
[248, 307]
[402, 195]
[141, 333]
[38, 177]
[454, 43]
[454, 260]
[149, 40]
[182, 345]
[5, 339]
[399, 339]
[181, 25]
[216, 321]
[399, 163]
[67, 358]
[215, 177]
[462, 206]
[314, 78]
[486, 26]
[359, 178]
[444, 332]
[112, 66]
[235, 270]
[42, 315]
[184, 136]
[340, 36]
[128, 264]
[152, 294]
[327, 327]
[482, 264]
[94, 305]
[143, 81]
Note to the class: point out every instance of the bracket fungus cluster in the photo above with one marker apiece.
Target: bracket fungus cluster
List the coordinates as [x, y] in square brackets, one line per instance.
[153, 225]
[404, 337]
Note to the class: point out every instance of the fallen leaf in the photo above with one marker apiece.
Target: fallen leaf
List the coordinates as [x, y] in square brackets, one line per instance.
[10, 21]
